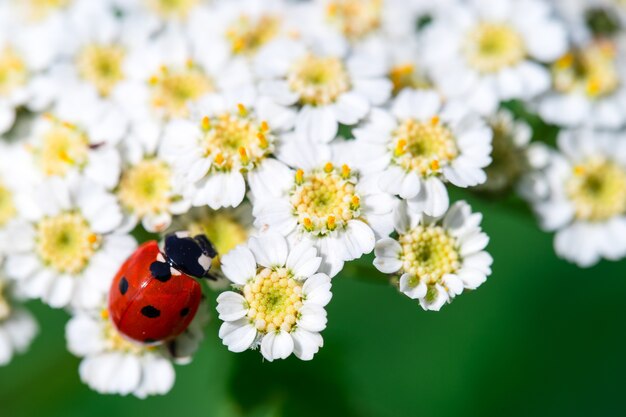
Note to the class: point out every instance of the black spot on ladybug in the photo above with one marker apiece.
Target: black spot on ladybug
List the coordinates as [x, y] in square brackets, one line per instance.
[184, 311]
[151, 312]
[123, 286]
[160, 271]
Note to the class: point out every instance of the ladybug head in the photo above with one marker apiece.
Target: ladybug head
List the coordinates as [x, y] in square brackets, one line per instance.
[189, 255]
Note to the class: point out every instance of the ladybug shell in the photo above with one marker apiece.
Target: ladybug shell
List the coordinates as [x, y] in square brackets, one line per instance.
[148, 309]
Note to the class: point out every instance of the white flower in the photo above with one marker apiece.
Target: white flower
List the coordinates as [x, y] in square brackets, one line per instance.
[235, 30]
[17, 326]
[436, 258]
[60, 148]
[112, 364]
[280, 301]
[325, 89]
[512, 154]
[588, 88]
[422, 143]
[65, 250]
[581, 194]
[85, 87]
[147, 191]
[166, 78]
[17, 179]
[213, 156]
[487, 51]
[324, 202]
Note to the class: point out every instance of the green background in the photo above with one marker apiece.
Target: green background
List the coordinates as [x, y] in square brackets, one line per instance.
[540, 338]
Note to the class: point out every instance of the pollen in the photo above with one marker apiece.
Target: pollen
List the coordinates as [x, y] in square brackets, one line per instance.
[101, 65]
[491, 47]
[428, 254]
[407, 75]
[7, 206]
[13, 71]
[324, 200]
[223, 228]
[145, 188]
[177, 9]
[62, 147]
[65, 242]
[318, 80]
[591, 71]
[423, 147]
[175, 88]
[274, 299]
[247, 35]
[355, 18]
[237, 140]
[37, 10]
[114, 341]
[597, 189]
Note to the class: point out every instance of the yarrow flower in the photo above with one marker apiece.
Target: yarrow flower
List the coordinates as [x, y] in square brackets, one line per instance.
[588, 88]
[325, 89]
[487, 51]
[581, 194]
[330, 205]
[213, 156]
[437, 258]
[65, 249]
[61, 148]
[111, 364]
[17, 326]
[279, 300]
[422, 143]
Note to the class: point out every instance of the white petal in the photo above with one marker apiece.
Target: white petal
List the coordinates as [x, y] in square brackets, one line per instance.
[387, 256]
[270, 249]
[277, 345]
[239, 265]
[238, 335]
[231, 306]
[317, 290]
[303, 260]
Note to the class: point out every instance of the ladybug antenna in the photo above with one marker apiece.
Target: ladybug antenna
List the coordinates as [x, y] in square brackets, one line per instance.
[190, 255]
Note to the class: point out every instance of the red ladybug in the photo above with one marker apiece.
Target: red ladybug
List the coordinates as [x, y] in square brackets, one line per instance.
[153, 297]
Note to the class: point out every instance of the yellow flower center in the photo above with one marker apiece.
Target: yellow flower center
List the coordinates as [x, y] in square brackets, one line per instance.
[5, 305]
[37, 10]
[428, 254]
[13, 72]
[66, 243]
[355, 18]
[598, 190]
[114, 341]
[145, 188]
[222, 229]
[423, 147]
[274, 299]
[63, 146]
[592, 71]
[324, 200]
[7, 207]
[101, 65]
[177, 9]
[173, 89]
[318, 80]
[247, 35]
[236, 140]
[508, 159]
[490, 47]
[407, 76]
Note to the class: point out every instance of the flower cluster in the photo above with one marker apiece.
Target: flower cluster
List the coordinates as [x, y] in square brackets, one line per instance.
[297, 136]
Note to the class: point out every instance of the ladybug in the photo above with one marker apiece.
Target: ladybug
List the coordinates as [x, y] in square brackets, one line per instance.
[155, 295]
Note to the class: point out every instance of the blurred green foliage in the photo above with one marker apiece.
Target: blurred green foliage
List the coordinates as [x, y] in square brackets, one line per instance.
[540, 338]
